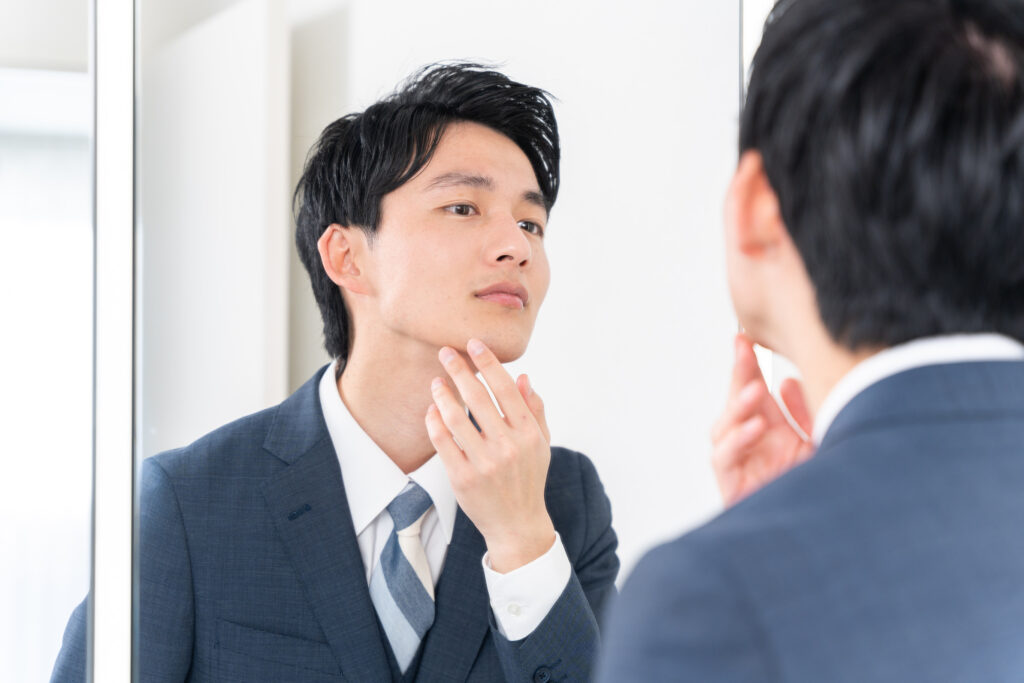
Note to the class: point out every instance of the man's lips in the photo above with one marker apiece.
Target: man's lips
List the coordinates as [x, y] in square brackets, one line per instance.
[506, 294]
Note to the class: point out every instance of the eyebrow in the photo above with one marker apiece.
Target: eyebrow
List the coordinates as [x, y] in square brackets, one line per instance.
[536, 198]
[455, 179]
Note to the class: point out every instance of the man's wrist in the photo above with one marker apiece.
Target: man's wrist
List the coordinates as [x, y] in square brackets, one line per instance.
[514, 549]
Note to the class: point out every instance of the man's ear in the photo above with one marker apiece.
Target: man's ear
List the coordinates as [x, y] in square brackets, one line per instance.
[756, 223]
[343, 252]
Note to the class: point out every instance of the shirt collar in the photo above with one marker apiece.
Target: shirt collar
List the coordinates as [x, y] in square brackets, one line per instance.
[372, 479]
[954, 348]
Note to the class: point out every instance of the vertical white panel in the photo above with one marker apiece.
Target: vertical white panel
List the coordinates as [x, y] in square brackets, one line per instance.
[111, 613]
[632, 350]
[319, 96]
[214, 223]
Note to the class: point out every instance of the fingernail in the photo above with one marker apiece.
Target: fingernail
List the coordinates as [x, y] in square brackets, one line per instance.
[446, 355]
[475, 347]
[749, 392]
[436, 384]
[529, 386]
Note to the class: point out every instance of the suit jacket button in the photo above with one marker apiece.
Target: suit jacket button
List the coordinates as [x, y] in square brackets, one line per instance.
[542, 675]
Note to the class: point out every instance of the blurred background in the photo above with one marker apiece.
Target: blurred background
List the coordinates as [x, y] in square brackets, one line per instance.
[46, 276]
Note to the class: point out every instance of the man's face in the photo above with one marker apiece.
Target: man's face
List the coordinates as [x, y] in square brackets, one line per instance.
[460, 251]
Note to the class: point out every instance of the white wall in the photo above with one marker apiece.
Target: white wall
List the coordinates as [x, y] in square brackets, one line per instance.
[319, 95]
[214, 224]
[44, 34]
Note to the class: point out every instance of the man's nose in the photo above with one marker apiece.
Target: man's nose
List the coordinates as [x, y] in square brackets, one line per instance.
[508, 242]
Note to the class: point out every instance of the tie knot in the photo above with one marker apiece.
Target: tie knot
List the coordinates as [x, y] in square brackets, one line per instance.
[409, 505]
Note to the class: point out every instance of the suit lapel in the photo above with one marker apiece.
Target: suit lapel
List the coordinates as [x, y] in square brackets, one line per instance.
[309, 508]
[460, 624]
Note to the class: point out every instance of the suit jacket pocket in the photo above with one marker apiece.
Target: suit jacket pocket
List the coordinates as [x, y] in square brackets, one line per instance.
[250, 654]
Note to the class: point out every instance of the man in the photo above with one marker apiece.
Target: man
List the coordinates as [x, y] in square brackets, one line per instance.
[874, 236]
[323, 539]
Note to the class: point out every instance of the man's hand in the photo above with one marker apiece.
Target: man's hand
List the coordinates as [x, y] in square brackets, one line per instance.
[753, 443]
[497, 473]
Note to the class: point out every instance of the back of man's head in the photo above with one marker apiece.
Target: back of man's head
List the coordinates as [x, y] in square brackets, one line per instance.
[365, 155]
[892, 132]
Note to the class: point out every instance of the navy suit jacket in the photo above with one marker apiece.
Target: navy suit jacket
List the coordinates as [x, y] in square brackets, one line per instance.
[895, 554]
[249, 569]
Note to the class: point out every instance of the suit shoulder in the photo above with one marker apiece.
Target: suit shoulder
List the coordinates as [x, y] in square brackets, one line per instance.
[680, 609]
[231, 448]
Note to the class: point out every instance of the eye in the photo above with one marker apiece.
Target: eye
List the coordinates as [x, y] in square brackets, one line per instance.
[461, 209]
[532, 228]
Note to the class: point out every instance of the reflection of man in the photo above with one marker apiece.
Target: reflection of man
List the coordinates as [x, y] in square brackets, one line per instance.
[875, 236]
[322, 539]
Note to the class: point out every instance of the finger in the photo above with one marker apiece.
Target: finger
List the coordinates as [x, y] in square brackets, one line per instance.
[745, 368]
[451, 455]
[733, 448]
[510, 400]
[473, 393]
[535, 404]
[740, 408]
[455, 418]
[792, 395]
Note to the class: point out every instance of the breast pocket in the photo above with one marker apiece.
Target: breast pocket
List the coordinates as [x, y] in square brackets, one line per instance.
[252, 655]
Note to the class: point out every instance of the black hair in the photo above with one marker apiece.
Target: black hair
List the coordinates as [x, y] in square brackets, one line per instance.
[363, 156]
[892, 132]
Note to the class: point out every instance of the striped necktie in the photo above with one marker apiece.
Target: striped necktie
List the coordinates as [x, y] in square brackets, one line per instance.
[400, 585]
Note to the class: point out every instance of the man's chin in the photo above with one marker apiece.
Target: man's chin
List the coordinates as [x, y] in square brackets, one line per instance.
[506, 350]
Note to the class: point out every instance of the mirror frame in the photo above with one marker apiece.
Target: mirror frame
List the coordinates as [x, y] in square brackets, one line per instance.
[112, 63]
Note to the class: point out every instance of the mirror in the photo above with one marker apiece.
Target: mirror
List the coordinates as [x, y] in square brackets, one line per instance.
[632, 349]
[46, 269]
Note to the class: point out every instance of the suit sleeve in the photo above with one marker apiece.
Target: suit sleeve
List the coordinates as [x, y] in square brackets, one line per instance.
[166, 619]
[565, 645]
[71, 660]
[681, 618]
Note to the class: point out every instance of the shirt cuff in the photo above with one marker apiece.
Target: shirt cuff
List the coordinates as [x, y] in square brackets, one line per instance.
[522, 598]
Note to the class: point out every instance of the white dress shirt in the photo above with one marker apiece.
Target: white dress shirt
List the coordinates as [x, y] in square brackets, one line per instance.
[519, 599]
[954, 348]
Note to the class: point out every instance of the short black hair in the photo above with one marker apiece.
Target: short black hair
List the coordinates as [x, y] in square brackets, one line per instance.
[892, 132]
[363, 156]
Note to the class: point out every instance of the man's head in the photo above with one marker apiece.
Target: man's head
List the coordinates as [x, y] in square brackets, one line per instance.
[886, 138]
[420, 206]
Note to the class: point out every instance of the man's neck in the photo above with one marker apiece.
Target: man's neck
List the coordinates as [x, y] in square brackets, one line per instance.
[822, 363]
[386, 388]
